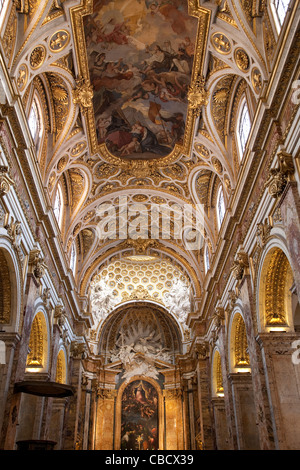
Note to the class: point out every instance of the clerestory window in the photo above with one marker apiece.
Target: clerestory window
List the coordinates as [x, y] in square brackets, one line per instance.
[243, 127]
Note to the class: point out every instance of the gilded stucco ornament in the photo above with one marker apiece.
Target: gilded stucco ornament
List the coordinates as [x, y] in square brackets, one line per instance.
[256, 80]
[59, 314]
[37, 57]
[239, 266]
[77, 350]
[242, 59]
[278, 177]
[78, 148]
[36, 261]
[221, 43]
[59, 41]
[197, 95]
[263, 230]
[14, 231]
[83, 93]
[22, 77]
[5, 180]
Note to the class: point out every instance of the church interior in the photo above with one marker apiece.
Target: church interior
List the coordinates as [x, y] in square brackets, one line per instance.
[149, 225]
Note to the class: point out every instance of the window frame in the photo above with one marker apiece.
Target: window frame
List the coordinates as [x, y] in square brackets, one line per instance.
[3, 12]
[220, 218]
[37, 109]
[59, 216]
[240, 120]
[73, 258]
[206, 259]
[278, 18]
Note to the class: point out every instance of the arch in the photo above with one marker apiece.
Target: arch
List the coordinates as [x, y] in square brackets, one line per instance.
[118, 415]
[61, 367]
[275, 282]
[38, 355]
[11, 285]
[171, 333]
[239, 360]
[217, 377]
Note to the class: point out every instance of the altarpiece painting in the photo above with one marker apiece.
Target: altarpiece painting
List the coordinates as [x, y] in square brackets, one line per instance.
[139, 419]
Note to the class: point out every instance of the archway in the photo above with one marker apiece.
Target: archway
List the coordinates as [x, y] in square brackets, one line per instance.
[275, 292]
[138, 383]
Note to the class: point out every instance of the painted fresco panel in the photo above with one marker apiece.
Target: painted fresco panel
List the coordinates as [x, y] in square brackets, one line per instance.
[140, 55]
[139, 420]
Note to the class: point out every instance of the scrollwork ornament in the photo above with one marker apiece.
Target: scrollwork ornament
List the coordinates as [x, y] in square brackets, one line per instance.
[278, 177]
[37, 263]
[5, 181]
[77, 350]
[14, 231]
[239, 266]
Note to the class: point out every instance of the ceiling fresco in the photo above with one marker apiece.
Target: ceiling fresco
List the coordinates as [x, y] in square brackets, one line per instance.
[140, 60]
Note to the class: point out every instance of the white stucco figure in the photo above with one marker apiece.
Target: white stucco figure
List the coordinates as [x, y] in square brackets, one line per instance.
[178, 300]
[102, 299]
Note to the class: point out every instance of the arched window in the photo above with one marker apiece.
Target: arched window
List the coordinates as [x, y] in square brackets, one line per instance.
[35, 122]
[206, 259]
[73, 259]
[220, 206]
[279, 8]
[58, 205]
[243, 127]
[3, 9]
